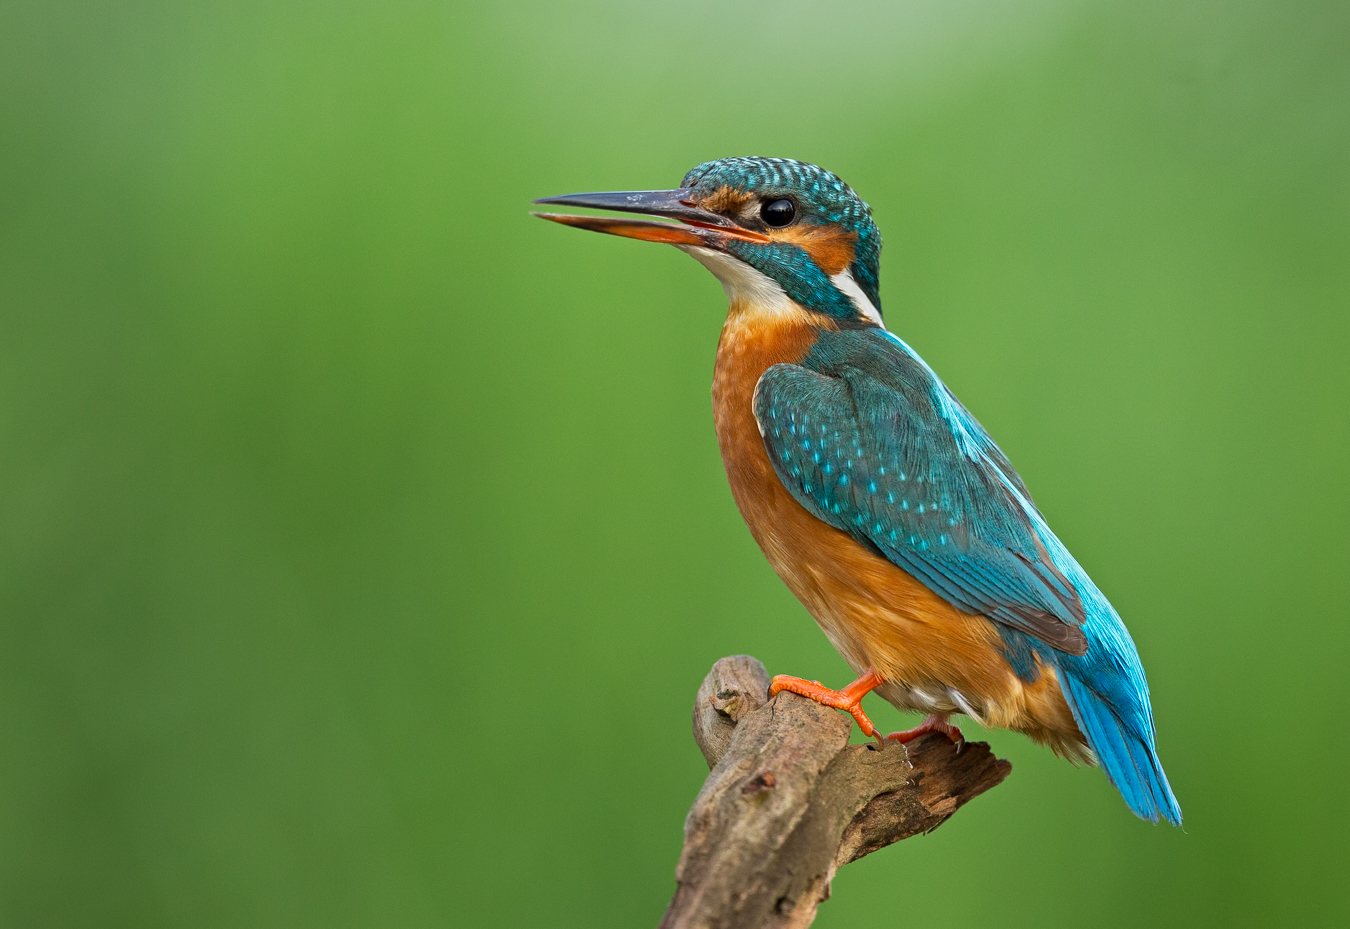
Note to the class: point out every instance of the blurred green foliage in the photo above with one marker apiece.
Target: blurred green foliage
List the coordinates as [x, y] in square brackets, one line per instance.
[363, 540]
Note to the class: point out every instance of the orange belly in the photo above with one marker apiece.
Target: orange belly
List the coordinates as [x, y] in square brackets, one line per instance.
[934, 657]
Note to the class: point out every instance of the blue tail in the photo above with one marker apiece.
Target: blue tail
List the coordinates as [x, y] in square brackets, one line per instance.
[1108, 694]
[1126, 753]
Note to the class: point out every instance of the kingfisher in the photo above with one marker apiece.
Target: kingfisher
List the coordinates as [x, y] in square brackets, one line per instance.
[876, 496]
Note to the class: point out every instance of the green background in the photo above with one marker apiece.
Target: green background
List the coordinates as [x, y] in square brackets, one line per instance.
[363, 540]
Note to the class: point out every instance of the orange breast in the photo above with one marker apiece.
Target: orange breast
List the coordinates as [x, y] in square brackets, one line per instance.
[933, 657]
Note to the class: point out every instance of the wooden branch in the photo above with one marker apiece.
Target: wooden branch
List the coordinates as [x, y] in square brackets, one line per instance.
[789, 801]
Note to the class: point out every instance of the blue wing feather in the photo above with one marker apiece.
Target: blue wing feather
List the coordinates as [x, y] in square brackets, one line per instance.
[863, 442]
[869, 440]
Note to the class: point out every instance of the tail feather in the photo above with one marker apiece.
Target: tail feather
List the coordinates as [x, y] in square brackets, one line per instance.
[1129, 760]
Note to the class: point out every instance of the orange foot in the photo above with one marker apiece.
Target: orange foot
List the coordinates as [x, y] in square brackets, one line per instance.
[933, 723]
[849, 699]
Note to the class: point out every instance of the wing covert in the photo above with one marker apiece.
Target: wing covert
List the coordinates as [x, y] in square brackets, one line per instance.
[873, 451]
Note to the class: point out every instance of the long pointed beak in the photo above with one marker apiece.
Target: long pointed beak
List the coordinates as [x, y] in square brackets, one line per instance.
[703, 227]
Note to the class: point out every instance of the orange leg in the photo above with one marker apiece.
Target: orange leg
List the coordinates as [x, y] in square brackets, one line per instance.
[849, 699]
[933, 723]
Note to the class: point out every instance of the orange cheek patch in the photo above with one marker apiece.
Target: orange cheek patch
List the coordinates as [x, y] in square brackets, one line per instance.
[830, 247]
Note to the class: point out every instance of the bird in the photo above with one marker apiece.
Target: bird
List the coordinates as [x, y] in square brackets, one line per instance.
[876, 496]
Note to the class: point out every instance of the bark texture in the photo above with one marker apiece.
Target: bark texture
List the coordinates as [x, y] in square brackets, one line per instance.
[789, 801]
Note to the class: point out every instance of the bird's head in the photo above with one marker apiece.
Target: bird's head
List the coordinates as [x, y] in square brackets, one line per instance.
[776, 232]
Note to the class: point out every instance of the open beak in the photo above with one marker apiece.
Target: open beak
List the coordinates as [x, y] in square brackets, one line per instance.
[702, 227]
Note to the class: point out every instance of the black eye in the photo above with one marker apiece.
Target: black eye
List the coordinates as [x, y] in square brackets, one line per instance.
[778, 213]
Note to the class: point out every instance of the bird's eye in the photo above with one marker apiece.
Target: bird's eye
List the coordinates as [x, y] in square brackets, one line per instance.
[778, 213]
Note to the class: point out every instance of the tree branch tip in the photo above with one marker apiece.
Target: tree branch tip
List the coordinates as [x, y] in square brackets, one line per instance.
[788, 801]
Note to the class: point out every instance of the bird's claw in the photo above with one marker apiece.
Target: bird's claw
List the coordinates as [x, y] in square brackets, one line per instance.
[932, 723]
[849, 699]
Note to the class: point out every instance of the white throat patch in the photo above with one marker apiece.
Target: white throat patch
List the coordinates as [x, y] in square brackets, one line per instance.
[747, 286]
[744, 285]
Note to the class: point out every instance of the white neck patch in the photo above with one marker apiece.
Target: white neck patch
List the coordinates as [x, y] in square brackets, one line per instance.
[849, 287]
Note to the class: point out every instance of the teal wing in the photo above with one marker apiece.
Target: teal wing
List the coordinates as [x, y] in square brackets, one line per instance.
[864, 440]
